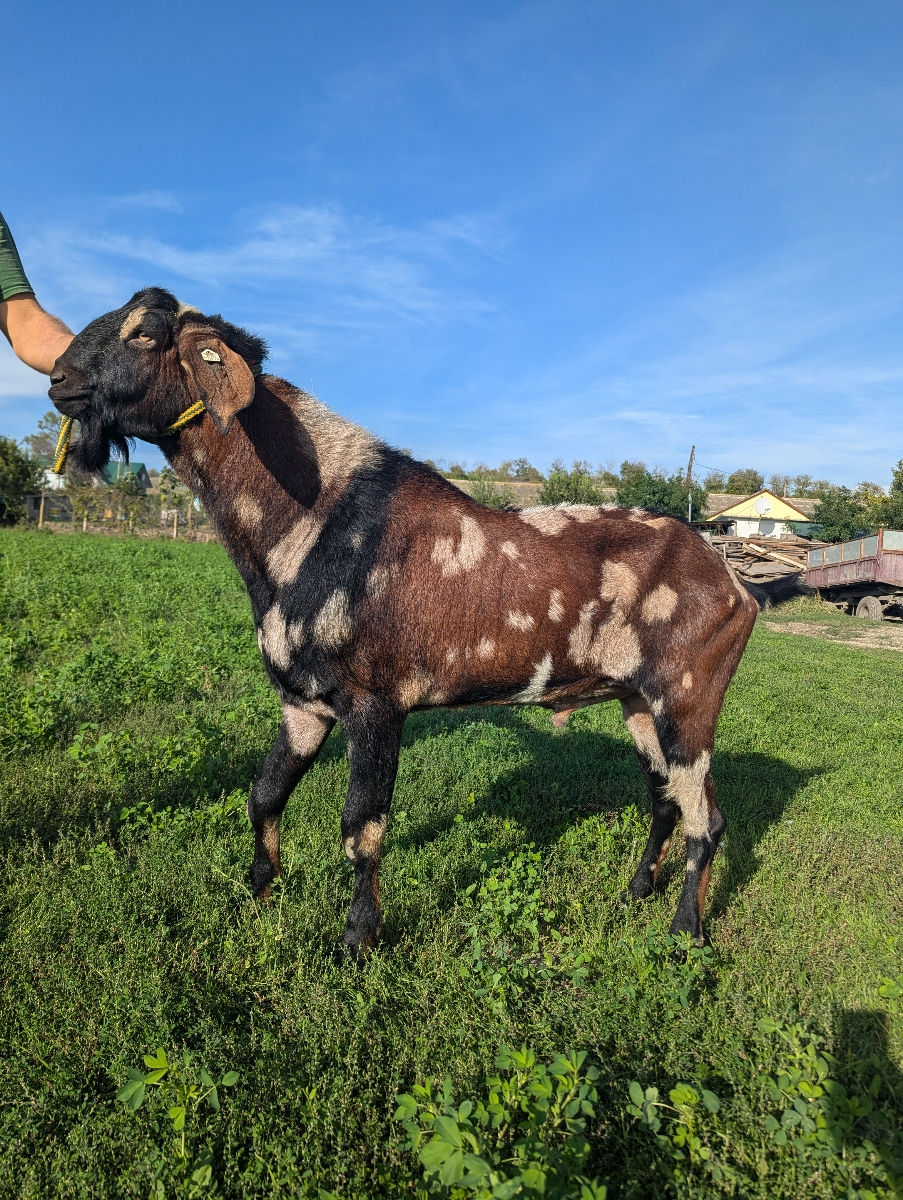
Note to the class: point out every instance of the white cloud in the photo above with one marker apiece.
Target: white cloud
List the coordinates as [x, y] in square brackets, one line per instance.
[153, 199]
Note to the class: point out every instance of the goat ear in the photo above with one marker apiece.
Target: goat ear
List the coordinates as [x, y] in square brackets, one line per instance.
[216, 374]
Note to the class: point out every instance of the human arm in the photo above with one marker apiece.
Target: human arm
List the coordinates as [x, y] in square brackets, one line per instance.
[36, 336]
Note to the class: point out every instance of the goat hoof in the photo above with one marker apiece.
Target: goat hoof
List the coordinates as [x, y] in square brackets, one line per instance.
[349, 954]
[635, 891]
[680, 954]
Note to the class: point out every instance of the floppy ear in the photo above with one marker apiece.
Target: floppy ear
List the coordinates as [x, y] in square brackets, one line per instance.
[216, 374]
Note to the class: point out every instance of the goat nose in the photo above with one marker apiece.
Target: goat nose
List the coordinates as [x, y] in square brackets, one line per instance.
[57, 376]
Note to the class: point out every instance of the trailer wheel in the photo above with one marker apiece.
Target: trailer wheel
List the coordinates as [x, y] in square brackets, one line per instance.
[869, 607]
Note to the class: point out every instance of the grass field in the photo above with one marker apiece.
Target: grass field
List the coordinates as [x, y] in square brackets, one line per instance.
[133, 714]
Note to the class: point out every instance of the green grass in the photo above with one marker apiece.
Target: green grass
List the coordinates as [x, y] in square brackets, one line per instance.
[133, 715]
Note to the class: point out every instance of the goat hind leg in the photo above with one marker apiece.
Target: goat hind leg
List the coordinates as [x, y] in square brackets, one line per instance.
[704, 824]
[300, 737]
[641, 724]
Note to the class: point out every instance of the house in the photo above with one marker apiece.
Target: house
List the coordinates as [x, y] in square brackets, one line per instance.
[763, 514]
[115, 471]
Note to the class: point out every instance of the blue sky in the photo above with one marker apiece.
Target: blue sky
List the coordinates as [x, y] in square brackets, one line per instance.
[577, 230]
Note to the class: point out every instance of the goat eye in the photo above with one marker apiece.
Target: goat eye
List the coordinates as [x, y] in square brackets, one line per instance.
[143, 339]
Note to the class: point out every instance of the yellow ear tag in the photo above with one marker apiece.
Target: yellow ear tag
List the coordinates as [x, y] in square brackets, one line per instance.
[210, 356]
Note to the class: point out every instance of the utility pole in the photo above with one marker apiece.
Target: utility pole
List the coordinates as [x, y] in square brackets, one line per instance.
[688, 484]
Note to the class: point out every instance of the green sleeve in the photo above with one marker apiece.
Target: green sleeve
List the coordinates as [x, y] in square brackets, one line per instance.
[13, 280]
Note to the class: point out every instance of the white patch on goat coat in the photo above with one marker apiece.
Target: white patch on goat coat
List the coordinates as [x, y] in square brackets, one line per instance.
[687, 680]
[556, 605]
[612, 649]
[248, 511]
[470, 549]
[520, 620]
[549, 521]
[486, 648]
[659, 605]
[451, 656]
[285, 559]
[538, 682]
[379, 579]
[332, 625]
[131, 323]
[583, 512]
[341, 447]
[510, 550]
[368, 843]
[638, 719]
[686, 787]
[275, 643]
[619, 584]
[305, 730]
[419, 688]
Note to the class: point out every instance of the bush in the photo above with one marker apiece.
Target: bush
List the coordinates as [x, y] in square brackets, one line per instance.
[20, 476]
[492, 495]
[576, 486]
[668, 494]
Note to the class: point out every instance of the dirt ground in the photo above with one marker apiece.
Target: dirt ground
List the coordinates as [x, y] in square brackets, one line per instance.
[865, 635]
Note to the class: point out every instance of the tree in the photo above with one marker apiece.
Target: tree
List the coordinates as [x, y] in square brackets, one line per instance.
[524, 471]
[744, 482]
[802, 485]
[569, 487]
[631, 470]
[779, 484]
[42, 444]
[20, 476]
[88, 501]
[841, 516]
[887, 511]
[715, 481]
[664, 493]
[127, 497]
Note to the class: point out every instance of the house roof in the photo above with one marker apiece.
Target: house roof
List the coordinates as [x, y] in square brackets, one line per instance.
[763, 504]
[115, 470]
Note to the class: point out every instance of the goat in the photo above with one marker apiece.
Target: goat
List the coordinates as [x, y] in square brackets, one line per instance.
[379, 589]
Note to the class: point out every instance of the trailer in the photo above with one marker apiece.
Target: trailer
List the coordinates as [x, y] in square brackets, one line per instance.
[863, 577]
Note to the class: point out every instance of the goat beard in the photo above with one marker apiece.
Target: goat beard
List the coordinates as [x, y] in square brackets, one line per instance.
[96, 440]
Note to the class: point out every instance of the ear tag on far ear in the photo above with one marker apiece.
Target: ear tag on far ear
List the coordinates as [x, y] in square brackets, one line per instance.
[210, 356]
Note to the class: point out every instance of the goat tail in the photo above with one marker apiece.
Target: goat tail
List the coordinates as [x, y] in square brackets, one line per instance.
[772, 592]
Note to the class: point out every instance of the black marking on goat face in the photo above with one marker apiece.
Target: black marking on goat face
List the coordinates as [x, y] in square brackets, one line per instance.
[120, 377]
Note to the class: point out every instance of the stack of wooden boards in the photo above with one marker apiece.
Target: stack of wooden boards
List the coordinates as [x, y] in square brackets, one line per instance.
[764, 558]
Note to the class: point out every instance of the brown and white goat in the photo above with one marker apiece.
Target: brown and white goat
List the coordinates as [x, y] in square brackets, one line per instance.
[379, 589]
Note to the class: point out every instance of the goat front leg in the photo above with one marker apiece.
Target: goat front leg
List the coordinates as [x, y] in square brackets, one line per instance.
[300, 737]
[374, 740]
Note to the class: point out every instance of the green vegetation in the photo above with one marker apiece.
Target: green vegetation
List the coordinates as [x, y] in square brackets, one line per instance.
[518, 1030]
[20, 476]
[664, 493]
[493, 495]
[577, 486]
